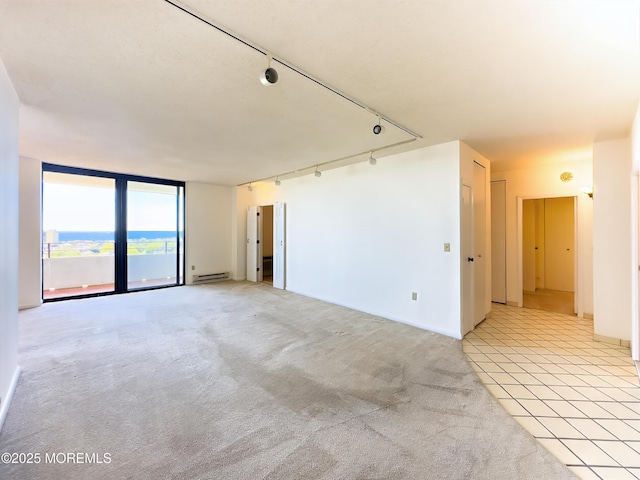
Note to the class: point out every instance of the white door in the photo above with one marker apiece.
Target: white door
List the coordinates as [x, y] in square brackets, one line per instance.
[467, 261]
[559, 242]
[499, 241]
[279, 245]
[254, 248]
[479, 243]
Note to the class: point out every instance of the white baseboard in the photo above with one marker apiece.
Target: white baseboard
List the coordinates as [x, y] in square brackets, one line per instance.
[30, 305]
[6, 399]
[428, 328]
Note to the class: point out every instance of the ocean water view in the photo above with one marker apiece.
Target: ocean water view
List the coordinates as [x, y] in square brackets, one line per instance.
[64, 237]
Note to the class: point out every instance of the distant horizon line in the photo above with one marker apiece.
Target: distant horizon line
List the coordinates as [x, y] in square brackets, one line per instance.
[101, 231]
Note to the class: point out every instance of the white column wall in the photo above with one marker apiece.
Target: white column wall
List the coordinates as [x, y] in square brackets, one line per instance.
[368, 236]
[544, 182]
[208, 229]
[30, 273]
[635, 227]
[9, 179]
[612, 239]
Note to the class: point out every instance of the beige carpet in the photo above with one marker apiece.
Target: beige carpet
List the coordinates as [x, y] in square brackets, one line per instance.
[243, 381]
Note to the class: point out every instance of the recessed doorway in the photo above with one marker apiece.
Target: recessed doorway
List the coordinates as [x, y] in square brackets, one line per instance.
[548, 254]
[267, 244]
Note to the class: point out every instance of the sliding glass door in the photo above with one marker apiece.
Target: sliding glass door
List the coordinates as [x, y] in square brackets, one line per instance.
[78, 223]
[110, 233]
[153, 235]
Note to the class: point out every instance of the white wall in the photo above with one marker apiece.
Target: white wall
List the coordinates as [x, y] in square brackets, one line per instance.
[635, 235]
[368, 236]
[544, 182]
[29, 287]
[208, 229]
[9, 178]
[612, 238]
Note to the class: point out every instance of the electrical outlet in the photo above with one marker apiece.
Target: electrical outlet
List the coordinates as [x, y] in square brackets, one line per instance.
[447, 247]
[414, 295]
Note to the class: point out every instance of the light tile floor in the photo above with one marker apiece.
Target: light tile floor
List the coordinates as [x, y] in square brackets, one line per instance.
[579, 398]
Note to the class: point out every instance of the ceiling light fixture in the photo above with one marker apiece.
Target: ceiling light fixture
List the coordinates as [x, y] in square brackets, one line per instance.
[290, 66]
[342, 161]
[278, 182]
[372, 160]
[317, 172]
[250, 187]
[270, 75]
[378, 129]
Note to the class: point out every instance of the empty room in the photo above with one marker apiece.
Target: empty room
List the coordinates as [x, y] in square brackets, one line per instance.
[273, 239]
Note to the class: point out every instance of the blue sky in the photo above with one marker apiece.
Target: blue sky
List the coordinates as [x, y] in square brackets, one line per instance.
[82, 208]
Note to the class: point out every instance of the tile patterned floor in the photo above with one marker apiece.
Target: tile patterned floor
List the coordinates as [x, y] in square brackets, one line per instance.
[579, 398]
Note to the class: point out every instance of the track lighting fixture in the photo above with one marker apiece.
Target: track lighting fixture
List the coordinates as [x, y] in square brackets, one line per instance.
[270, 75]
[317, 172]
[372, 160]
[378, 129]
[278, 182]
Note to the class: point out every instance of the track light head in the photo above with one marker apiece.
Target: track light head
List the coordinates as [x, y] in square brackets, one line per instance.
[378, 129]
[372, 160]
[278, 182]
[269, 76]
[250, 188]
[318, 173]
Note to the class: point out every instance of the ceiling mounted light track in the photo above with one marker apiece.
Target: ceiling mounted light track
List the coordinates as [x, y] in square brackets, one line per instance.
[355, 158]
[290, 66]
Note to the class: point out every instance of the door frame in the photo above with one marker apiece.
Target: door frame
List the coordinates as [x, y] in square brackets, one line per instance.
[520, 253]
[279, 236]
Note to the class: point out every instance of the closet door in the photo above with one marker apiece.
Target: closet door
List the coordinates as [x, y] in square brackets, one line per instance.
[279, 245]
[254, 249]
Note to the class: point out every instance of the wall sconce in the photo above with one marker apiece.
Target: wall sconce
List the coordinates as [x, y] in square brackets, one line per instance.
[587, 190]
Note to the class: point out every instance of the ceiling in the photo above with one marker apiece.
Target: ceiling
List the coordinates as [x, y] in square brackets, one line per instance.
[142, 87]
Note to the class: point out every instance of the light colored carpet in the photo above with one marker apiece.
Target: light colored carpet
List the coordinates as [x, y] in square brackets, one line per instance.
[242, 381]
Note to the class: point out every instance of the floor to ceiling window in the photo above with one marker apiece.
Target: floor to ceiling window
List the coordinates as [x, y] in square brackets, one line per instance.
[109, 233]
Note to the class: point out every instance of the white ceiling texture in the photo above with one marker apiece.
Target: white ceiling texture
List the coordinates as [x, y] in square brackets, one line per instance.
[146, 87]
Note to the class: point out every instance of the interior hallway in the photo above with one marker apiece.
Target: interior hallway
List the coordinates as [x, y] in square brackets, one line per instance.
[577, 397]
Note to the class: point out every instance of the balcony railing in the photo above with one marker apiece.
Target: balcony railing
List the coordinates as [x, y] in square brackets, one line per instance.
[84, 264]
[81, 248]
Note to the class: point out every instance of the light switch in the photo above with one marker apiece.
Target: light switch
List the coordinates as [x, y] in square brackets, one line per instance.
[447, 247]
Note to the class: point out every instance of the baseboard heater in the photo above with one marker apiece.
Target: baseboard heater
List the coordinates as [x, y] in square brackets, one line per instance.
[210, 277]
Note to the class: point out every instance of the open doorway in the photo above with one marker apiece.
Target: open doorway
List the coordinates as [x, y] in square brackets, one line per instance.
[548, 254]
[267, 244]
